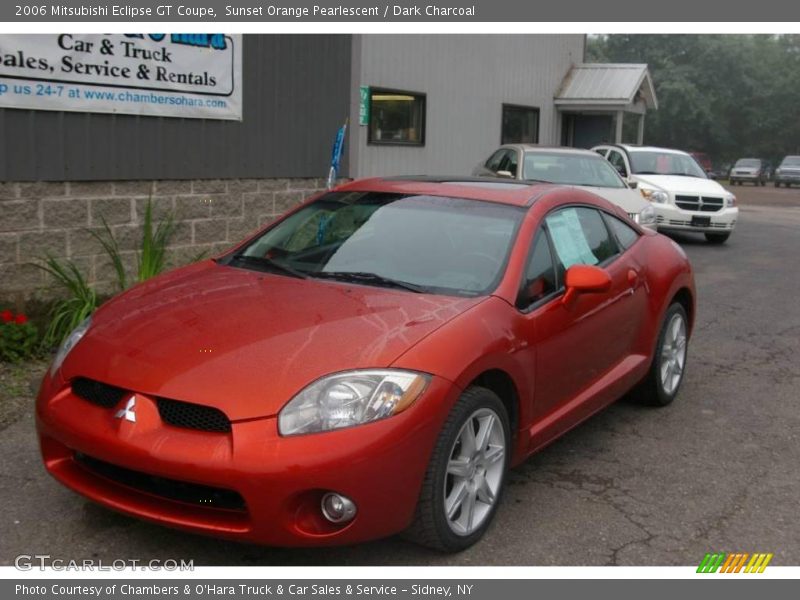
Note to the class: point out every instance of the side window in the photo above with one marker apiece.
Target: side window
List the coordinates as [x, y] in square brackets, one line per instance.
[580, 237]
[493, 164]
[601, 151]
[540, 275]
[615, 158]
[625, 234]
[510, 163]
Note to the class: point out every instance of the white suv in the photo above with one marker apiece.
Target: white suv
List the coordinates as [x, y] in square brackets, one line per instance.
[685, 199]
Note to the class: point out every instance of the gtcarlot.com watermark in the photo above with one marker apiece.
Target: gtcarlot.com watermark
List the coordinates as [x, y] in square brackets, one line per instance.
[30, 562]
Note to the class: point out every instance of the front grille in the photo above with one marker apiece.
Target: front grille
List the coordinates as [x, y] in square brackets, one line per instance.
[98, 393]
[193, 416]
[173, 412]
[698, 203]
[171, 489]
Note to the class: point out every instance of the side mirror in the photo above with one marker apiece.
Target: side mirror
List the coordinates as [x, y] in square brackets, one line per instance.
[585, 279]
[505, 174]
[633, 184]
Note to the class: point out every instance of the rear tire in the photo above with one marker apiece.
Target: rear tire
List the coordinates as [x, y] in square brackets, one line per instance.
[466, 477]
[663, 380]
[717, 238]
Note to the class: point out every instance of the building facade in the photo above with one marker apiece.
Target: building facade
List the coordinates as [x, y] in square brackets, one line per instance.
[415, 104]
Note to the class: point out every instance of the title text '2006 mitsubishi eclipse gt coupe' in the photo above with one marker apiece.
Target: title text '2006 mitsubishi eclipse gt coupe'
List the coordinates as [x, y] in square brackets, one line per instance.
[372, 363]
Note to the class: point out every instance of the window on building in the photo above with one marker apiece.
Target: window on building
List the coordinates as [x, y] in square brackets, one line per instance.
[520, 125]
[396, 117]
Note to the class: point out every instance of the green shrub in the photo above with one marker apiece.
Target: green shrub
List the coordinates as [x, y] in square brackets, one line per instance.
[69, 312]
[18, 337]
[81, 299]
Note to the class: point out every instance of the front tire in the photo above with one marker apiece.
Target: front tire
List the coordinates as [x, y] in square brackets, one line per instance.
[466, 474]
[717, 238]
[661, 385]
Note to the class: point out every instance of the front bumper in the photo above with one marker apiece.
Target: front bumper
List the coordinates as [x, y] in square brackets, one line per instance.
[787, 177]
[279, 480]
[672, 218]
[748, 177]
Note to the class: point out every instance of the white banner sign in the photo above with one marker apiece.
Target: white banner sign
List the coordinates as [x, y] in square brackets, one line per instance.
[194, 75]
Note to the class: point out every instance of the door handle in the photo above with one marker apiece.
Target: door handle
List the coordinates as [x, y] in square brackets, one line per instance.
[633, 278]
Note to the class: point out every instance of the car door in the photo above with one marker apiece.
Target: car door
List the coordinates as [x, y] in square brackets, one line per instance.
[618, 161]
[571, 347]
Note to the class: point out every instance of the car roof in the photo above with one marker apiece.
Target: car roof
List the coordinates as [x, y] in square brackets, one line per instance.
[490, 189]
[636, 148]
[535, 148]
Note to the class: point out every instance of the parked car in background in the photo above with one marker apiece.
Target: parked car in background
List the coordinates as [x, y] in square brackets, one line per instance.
[685, 199]
[788, 172]
[750, 170]
[721, 171]
[371, 363]
[568, 166]
[703, 160]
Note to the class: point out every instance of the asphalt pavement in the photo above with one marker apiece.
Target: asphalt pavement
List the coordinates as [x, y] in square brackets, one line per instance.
[719, 470]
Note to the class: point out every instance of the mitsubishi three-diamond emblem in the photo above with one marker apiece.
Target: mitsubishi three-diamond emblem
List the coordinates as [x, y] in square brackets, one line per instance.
[127, 412]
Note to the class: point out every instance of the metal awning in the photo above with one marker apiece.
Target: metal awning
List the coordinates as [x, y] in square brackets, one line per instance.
[603, 86]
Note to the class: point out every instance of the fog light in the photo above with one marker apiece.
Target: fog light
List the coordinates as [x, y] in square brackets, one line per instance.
[337, 508]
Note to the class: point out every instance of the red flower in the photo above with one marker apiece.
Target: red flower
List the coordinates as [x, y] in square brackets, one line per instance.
[21, 319]
[7, 316]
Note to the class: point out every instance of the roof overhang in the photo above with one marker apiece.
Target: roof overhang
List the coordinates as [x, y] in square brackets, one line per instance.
[607, 87]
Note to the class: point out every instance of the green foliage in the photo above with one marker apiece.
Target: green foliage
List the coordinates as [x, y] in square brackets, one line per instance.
[111, 246]
[152, 257]
[81, 298]
[69, 312]
[728, 95]
[18, 337]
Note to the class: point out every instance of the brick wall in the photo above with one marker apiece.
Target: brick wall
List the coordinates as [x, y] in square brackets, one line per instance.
[37, 218]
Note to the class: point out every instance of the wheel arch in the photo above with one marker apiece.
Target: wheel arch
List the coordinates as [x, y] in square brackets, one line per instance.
[503, 385]
[685, 298]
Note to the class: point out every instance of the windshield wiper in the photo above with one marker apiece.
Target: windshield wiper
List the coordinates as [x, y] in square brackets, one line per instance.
[369, 278]
[268, 263]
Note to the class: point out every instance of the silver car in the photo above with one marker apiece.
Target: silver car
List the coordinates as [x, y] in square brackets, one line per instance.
[788, 172]
[568, 166]
[749, 170]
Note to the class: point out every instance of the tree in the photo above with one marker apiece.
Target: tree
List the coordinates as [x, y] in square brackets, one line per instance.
[727, 95]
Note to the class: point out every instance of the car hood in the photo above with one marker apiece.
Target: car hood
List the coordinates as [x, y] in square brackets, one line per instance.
[749, 170]
[682, 185]
[629, 200]
[246, 342]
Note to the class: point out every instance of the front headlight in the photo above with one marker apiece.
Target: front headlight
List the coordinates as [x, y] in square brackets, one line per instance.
[647, 216]
[731, 201]
[654, 195]
[351, 398]
[69, 343]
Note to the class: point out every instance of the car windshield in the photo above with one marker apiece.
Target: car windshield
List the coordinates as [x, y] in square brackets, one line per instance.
[428, 244]
[791, 161]
[654, 162]
[570, 169]
[748, 162]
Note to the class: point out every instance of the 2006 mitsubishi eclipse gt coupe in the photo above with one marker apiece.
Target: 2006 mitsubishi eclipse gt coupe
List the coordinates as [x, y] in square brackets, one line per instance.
[371, 363]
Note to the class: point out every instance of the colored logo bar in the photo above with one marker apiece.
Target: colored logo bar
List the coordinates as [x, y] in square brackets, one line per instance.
[735, 562]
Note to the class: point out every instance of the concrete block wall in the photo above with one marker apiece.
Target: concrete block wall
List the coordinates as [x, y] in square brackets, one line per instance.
[37, 218]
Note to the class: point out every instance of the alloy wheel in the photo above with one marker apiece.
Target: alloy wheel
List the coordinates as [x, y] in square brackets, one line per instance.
[673, 354]
[474, 472]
